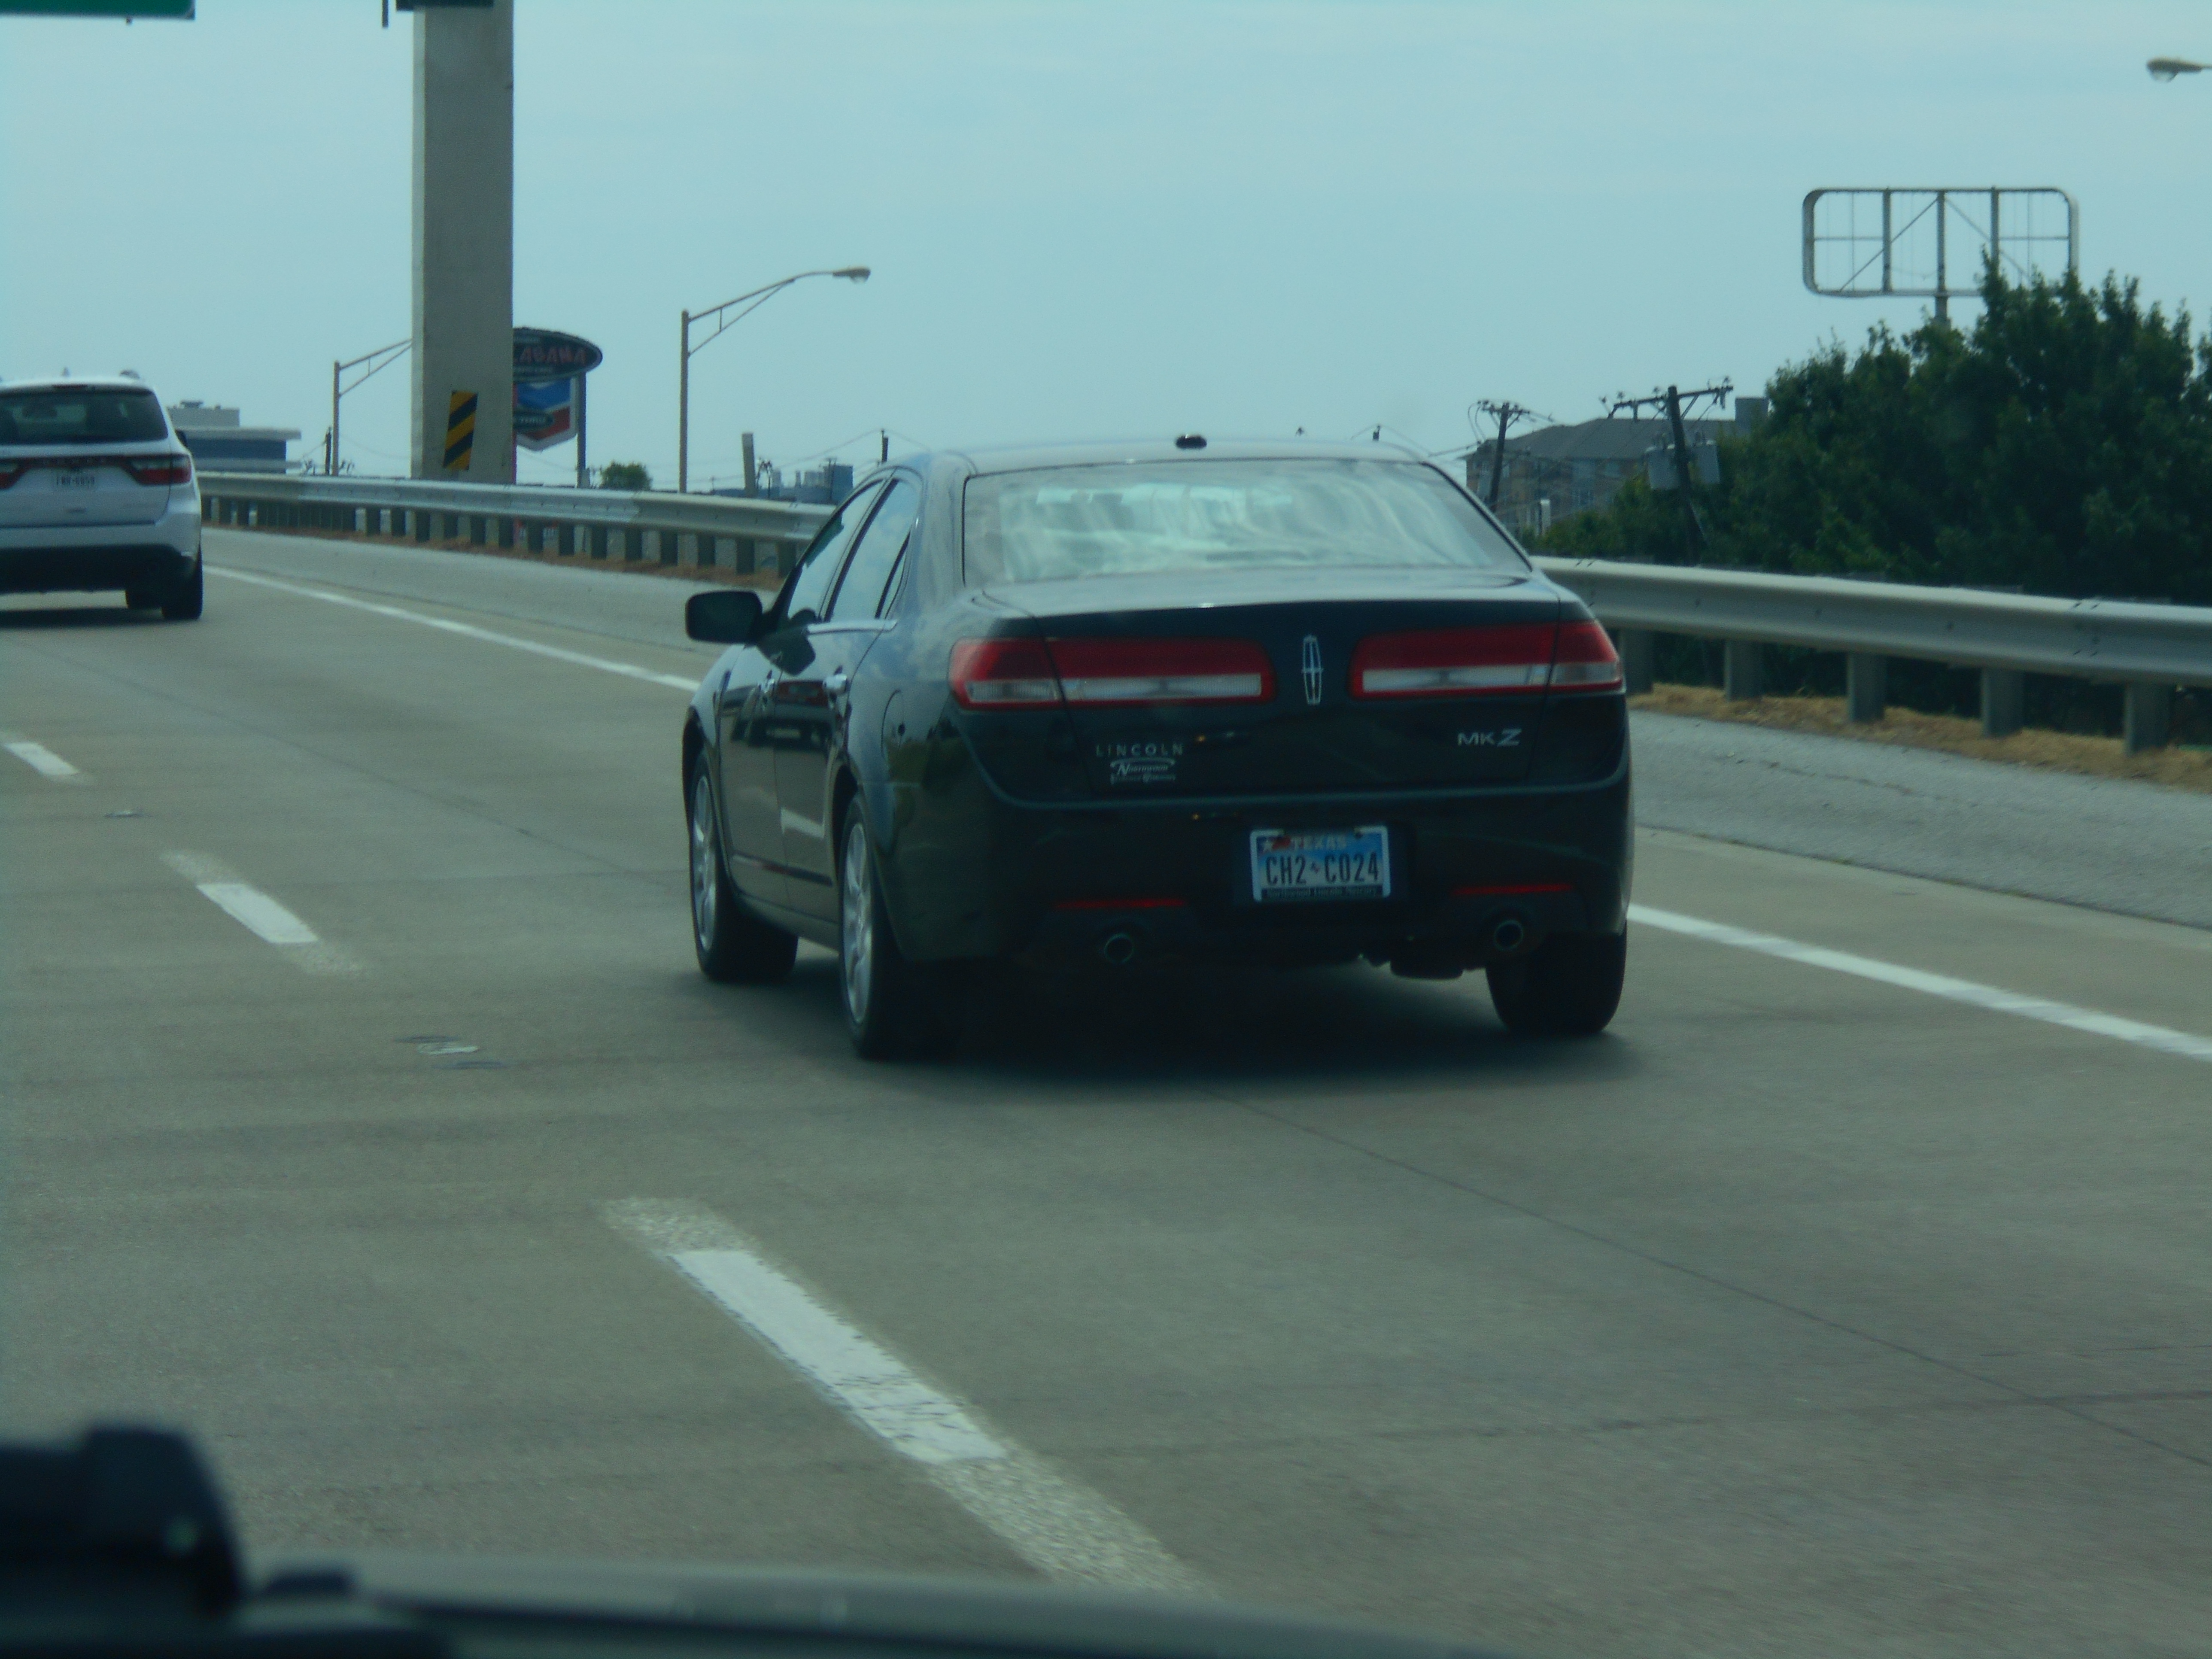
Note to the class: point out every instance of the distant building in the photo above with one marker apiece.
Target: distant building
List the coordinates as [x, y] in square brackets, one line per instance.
[818, 486]
[220, 444]
[1557, 472]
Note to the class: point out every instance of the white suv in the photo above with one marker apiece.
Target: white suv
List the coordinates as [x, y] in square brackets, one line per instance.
[96, 492]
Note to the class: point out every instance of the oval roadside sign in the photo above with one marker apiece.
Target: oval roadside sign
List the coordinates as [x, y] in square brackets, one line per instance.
[545, 354]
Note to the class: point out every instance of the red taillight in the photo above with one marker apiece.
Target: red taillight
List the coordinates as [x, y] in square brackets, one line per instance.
[1584, 660]
[11, 470]
[1003, 674]
[159, 468]
[1106, 671]
[1031, 673]
[1453, 662]
[1467, 662]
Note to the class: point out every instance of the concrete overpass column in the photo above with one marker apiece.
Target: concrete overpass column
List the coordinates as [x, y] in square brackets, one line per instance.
[463, 221]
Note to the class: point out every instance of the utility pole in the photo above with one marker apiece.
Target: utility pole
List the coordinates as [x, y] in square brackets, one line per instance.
[1671, 400]
[1692, 530]
[1506, 414]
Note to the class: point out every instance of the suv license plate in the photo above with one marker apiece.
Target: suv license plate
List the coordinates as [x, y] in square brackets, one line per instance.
[1293, 865]
[76, 479]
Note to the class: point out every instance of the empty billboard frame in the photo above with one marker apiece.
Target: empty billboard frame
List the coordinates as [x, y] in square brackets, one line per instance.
[1931, 242]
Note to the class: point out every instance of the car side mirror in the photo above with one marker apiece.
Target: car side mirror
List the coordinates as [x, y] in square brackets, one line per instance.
[729, 616]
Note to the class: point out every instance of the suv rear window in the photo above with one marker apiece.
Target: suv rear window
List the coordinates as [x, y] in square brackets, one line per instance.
[86, 415]
[1172, 516]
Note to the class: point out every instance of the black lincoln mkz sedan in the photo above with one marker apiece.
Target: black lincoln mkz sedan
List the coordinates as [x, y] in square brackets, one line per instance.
[1275, 704]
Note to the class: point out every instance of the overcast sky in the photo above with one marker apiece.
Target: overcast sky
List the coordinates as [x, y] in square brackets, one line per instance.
[1098, 219]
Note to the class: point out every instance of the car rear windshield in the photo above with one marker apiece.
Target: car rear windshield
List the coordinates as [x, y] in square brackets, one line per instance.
[1142, 518]
[85, 414]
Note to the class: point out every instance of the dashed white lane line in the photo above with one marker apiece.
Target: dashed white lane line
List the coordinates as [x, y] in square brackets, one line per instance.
[260, 914]
[467, 630]
[1059, 1527]
[40, 759]
[2163, 1038]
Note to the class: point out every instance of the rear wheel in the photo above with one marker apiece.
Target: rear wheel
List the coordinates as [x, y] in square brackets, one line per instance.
[735, 946]
[1569, 986]
[184, 601]
[142, 598]
[891, 1009]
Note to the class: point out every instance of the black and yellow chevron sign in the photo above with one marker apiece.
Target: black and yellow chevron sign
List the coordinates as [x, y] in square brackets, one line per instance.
[461, 431]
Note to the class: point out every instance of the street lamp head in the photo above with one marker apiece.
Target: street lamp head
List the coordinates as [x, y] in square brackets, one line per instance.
[2165, 69]
[853, 273]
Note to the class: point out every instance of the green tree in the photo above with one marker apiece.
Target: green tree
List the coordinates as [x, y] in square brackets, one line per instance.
[625, 475]
[2063, 445]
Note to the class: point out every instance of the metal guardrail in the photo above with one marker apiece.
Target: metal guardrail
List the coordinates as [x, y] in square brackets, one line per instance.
[2150, 648]
[2094, 639]
[725, 532]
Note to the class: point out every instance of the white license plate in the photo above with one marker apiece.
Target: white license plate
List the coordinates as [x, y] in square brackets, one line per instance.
[1290, 864]
[76, 479]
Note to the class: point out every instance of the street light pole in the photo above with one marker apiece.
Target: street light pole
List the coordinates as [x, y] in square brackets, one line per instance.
[752, 302]
[382, 358]
[2165, 69]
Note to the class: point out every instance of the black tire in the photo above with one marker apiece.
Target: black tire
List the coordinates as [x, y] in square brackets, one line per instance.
[142, 598]
[1569, 986]
[735, 946]
[892, 1009]
[185, 599]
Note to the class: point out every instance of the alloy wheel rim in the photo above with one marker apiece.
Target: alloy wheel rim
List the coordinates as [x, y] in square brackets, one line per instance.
[702, 860]
[858, 927]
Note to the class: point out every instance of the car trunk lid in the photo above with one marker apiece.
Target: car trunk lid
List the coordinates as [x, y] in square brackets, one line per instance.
[1242, 683]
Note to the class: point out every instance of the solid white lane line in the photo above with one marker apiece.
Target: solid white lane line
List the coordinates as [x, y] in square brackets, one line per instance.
[1061, 1528]
[40, 759]
[2165, 1040]
[260, 914]
[467, 630]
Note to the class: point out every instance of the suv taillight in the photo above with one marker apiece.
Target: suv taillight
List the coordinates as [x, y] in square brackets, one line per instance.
[1519, 657]
[1032, 674]
[11, 470]
[159, 468]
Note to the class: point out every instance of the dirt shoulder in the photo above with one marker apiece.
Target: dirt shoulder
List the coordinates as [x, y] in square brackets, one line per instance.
[2056, 752]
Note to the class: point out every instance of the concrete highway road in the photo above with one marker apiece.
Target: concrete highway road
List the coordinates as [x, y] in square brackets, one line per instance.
[366, 1114]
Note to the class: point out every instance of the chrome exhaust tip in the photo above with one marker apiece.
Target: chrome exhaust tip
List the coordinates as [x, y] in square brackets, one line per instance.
[1118, 949]
[1509, 935]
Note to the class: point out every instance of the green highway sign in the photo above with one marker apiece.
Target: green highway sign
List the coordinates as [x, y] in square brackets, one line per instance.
[96, 8]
